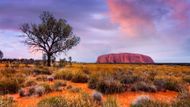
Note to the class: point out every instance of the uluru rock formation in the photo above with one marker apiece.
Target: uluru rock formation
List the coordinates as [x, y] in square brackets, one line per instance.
[124, 58]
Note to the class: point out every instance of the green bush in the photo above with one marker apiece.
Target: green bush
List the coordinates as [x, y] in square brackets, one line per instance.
[80, 77]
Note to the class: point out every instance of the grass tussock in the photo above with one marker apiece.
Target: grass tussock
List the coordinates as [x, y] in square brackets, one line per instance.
[82, 100]
[7, 102]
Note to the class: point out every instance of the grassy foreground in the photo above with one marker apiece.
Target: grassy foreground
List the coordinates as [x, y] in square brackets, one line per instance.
[105, 79]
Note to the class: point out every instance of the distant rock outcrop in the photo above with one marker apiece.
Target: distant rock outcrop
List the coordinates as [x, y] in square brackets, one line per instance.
[124, 58]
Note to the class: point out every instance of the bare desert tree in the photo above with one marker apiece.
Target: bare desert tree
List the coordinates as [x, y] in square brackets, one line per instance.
[1, 54]
[52, 36]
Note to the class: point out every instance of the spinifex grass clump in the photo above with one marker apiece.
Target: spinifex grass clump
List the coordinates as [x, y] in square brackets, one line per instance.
[30, 82]
[172, 84]
[105, 83]
[183, 99]
[109, 86]
[111, 102]
[10, 84]
[6, 102]
[58, 85]
[42, 70]
[65, 75]
[80, 77]
[143, 86]
[80, 100]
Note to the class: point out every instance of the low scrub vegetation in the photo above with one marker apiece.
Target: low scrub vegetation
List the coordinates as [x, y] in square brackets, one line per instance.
[42, 70]
[82, 100]
[143, 86]
[7, 102]
[65, 75]
[111, 102]
[79, 77]
[104, 79]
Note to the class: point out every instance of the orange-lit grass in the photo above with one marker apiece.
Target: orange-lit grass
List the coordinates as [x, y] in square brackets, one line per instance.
[124, 99]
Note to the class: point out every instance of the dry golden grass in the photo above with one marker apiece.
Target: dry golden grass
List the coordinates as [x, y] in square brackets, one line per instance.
[176, 72]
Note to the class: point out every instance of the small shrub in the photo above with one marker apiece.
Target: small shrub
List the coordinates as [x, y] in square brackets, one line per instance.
[140, 101]
[21, 92]
[97, 97]
[111, 102]
[50, 78]
[58, 85]
[79, 77]
[109, 86]
[10, 85]
[129, 79]
[39, 90]
[125, 77]
[152, 75]
[142, 86]
[47, 87]
[86, 71]
[31, 90]
[92, 81]
[145, 101]
[30, 83]
[168, 84]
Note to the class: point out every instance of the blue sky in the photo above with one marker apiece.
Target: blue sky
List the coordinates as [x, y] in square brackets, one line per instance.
[158, 28]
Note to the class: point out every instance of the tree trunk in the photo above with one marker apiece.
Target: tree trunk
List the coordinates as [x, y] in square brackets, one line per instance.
[49, 60]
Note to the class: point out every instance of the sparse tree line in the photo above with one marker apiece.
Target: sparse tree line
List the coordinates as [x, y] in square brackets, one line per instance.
[52, 36]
